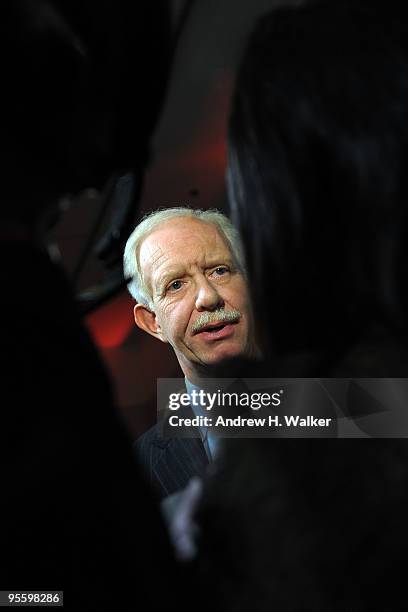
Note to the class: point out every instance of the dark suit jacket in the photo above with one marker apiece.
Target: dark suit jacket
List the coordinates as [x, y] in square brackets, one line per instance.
[170, 462]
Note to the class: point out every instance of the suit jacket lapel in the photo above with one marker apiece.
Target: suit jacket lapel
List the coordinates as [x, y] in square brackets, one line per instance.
[178, 459]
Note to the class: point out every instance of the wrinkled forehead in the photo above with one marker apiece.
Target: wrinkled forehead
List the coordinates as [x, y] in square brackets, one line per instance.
[179, 243]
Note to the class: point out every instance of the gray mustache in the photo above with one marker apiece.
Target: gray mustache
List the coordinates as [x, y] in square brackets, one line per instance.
[217, 316]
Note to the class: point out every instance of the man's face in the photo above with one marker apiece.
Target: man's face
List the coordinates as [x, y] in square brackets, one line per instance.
[190, 271]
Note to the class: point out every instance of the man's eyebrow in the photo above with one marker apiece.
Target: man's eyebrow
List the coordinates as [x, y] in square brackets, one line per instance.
[218, 261]
[163, 278]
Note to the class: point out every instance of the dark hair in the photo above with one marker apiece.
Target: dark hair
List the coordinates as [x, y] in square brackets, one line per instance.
[317, 171]
[82, 83]
[318, 188]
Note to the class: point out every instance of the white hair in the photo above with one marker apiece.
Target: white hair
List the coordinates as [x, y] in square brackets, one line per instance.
[137, 286]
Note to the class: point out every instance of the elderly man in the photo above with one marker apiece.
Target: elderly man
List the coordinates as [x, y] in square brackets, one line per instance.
[188, 280]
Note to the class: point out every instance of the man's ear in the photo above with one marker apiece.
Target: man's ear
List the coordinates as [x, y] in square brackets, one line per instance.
[147, 320]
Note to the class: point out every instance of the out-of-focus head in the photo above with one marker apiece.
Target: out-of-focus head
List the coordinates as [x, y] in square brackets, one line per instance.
[82, 84]
[317, 170]
[188, 277]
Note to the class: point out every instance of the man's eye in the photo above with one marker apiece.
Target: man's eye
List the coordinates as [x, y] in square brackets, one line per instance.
[220, 270]
[175, 285]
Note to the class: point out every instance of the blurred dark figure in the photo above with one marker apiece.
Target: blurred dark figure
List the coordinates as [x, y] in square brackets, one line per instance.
[299, 525]
[82, 84]
[318, 152]
[318, 187]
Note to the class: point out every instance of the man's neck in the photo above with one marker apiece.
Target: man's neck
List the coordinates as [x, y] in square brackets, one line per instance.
[196, 377]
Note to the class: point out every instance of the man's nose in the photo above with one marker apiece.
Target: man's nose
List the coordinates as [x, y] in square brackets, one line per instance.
[207, 297]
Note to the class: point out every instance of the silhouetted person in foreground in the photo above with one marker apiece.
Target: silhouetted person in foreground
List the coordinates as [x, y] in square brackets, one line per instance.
[317, 178]
[82, 83]
[318, 150]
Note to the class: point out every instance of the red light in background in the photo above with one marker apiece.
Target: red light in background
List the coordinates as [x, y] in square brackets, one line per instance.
[110, 325]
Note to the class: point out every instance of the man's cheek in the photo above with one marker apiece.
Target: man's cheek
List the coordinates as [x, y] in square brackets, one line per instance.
[173, 334]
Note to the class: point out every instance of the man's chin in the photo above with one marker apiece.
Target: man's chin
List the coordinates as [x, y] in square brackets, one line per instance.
[223, 357]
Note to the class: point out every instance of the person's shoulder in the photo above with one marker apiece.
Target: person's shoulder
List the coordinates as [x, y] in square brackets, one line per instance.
[155, 435]
[163, 407]
[152, 436]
